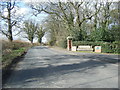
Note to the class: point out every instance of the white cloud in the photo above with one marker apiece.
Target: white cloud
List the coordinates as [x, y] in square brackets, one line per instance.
[22, 11]
[5, 13]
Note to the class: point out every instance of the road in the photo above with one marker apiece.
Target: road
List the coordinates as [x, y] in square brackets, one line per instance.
[44, 67]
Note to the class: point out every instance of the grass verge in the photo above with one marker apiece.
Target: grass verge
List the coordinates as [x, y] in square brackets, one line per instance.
[9, 62]
[8, 58]
[98, 52]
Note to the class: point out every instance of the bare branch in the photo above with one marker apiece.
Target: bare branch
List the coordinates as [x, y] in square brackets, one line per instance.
[18, 33]
[6, 34]
[14, 23]
[4, 17]
[13, 5]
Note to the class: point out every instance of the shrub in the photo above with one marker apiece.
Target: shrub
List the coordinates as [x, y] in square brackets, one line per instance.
[51, 43]
[62, 43]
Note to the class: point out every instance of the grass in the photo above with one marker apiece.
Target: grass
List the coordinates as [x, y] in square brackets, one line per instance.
[13, 54]
[97, 52]
[7, 59]
[11, 51]
[86, 51]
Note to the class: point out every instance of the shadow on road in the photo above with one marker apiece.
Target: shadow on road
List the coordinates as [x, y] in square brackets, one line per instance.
[103, 58]
[38, 47]
[26, 75]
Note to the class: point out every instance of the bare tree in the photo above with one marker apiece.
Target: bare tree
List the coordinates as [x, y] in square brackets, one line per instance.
[74, 16]
[105, 17]
[30, 29]
[40, 33]
[8, 17]
[60, 10]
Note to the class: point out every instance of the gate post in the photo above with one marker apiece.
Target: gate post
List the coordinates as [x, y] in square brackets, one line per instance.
[69, 43]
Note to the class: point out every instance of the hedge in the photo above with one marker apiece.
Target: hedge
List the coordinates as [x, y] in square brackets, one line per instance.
[107, 47]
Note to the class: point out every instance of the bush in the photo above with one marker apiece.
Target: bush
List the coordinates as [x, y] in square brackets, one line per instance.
[107, 47]
[51, 43]
[62, 43]
[116, 45]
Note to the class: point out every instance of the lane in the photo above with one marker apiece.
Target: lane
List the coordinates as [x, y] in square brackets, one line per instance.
[43, 67]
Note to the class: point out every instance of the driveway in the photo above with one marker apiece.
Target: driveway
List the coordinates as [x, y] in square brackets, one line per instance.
[43, 67]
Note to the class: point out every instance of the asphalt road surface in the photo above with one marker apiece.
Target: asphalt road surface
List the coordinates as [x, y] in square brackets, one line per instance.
[43, 67]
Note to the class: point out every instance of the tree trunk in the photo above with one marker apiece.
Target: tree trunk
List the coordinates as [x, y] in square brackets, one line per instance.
[31, 41]
[39, 40]
[10, 37]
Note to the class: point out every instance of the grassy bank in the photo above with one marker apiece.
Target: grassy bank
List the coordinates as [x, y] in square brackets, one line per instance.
[13, 50]
[7, 59]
